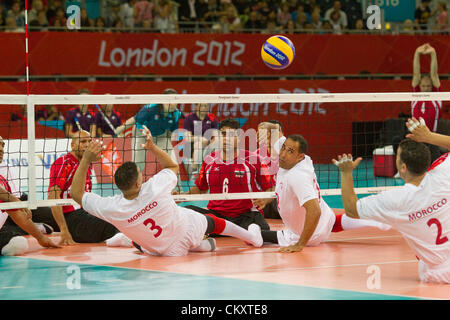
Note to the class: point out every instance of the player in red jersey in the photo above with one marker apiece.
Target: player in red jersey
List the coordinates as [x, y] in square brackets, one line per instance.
[74, 223]
[428, 110]
[11, 240]
[233, 170]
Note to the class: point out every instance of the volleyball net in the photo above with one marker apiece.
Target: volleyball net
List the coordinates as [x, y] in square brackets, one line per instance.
[367, 125]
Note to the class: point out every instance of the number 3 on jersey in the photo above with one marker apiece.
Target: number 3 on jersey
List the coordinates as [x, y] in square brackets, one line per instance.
[153, 226]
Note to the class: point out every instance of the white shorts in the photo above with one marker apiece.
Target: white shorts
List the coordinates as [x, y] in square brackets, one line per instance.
[288, 237]
[196, 225]
[437, 274]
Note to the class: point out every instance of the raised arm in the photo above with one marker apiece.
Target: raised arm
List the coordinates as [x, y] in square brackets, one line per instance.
[433, 67]
[421, 133]
[416, 66]
[162, 157]
[130, 122]
[346, 165]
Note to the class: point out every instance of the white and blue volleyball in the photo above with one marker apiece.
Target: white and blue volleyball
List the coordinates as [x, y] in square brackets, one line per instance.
[278, 52]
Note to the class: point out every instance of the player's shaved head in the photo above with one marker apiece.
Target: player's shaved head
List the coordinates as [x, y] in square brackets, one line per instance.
[80, 142]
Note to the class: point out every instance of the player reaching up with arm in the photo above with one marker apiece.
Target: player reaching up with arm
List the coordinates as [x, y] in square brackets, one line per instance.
[421, 133]
[419, 210]
[147, 214]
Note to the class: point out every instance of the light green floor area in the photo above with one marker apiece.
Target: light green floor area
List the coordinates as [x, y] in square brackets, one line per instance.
[27, 279]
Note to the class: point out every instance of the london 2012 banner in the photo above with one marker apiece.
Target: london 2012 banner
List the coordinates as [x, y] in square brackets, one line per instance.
[89, 53]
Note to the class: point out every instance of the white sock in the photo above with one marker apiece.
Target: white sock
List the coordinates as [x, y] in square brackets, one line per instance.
[15, 247]
[252, 235]
[119, 240]
[208, 244]
[350, 223]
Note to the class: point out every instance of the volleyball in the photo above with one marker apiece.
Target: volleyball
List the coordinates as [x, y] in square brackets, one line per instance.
[278, 52]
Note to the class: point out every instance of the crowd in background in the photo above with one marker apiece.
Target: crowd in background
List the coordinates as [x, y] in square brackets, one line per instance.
[220, 16]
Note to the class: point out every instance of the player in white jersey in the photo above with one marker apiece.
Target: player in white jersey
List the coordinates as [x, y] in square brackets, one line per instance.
[308, 218]
[420, 210]
[146, 212]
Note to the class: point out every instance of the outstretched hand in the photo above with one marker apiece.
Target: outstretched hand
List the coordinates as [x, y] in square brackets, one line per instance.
[148, 138]
[345, 162]
[419, 130]
[94, 150]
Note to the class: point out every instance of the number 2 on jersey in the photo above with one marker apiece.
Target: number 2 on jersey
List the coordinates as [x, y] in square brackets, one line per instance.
[439, 239]
[153, 227]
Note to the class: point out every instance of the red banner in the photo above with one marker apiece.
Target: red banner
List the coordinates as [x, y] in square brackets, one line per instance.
[327, 126]
[85, 53]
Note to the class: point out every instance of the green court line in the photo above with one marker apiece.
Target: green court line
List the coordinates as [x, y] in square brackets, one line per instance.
[30, 279]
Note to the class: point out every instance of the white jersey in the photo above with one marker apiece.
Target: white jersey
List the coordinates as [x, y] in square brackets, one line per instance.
[420, 213]
[153, 219]
[295, 187]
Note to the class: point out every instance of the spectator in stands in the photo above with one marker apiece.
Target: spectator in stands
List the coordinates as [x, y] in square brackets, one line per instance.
[166, 20]
[327, 27]
[196, 124]
[359, 25]
[85, 21]
[49, 113]
[300, 12]
[51, 10]
[36, 6]
[59, 20]
[80, 118]
[316, 23]
[107, 121]
[233, 22]
[189, 11]
[310, 6]
[42, 20]
[127, 13]
[253, 24]
[143, 11]
[441, 17]
[212, 14]
[284, 15]
[114, 15]
[430, 111]
[341, 16]
[336, 22]
[100, 24]
[290, 27]
[408, 27]
[232, 170]
[422, 15]
[21, 115]
[146, 25]
[301, 20]
[11, 25]
[2, 20]
[17, 13]
[271, 28]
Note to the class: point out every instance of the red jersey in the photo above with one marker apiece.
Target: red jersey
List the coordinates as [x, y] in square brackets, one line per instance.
[245, 174]
[61, 175]
[428, 110]
[4, 183]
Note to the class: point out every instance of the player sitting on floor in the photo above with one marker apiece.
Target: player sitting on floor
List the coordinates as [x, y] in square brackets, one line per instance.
[420, 210]
[147, 214]
[308, 218]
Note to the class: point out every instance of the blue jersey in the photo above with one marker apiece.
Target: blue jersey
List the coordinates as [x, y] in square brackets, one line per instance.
[152, 116]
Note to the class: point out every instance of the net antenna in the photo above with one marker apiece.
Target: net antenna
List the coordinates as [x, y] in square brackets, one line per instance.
[31, 132]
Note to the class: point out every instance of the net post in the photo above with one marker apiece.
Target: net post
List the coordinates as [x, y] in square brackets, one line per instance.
[31, 134]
